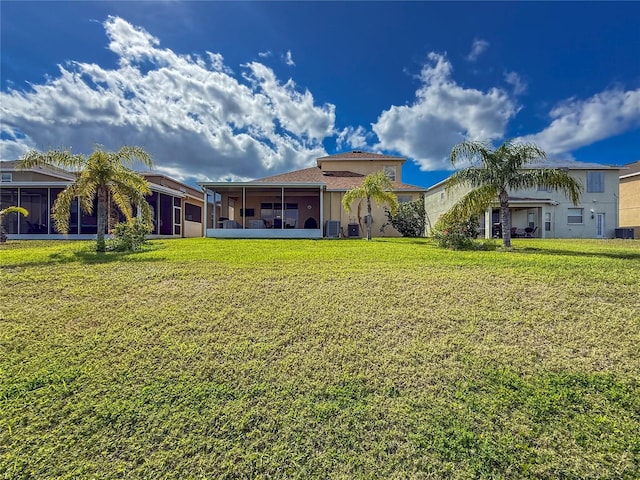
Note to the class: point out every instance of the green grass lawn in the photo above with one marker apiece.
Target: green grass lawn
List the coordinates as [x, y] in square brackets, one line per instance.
[204, 358]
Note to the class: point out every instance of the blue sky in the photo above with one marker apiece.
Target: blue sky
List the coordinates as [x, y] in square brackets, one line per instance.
[242, 90]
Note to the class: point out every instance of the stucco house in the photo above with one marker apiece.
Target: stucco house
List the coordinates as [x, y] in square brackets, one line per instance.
[178, 208]
[305, 203]
[548, 214]
[630, 197]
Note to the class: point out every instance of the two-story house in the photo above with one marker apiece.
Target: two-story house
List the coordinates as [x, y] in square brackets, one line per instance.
[305, 203]
[548, 214]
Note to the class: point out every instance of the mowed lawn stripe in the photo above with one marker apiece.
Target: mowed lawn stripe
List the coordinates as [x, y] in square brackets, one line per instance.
[201, 358]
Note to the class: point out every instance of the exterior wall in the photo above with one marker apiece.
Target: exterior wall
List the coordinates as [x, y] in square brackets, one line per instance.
[29, 176]
[437, 202]
[630, 203]
[364, 167]
[333, 210]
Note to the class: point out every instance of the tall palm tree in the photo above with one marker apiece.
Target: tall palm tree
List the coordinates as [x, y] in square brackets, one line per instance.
[376, 187]
[102, 174]
[495, 172]
[7, 211]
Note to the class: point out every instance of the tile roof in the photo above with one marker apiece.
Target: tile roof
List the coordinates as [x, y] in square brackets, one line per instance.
[360, 155]
[44, 169]
[334, 180]
[630, 168]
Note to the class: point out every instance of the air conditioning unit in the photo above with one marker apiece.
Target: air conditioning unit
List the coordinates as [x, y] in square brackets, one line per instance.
[332, 228]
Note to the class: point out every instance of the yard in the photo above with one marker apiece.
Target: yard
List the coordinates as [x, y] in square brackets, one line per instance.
[202, 358]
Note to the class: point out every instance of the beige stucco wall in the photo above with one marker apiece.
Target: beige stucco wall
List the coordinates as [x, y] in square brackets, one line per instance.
[333, 210]
[630, 203]
[364, 167]
[29, 176]
[192, 229]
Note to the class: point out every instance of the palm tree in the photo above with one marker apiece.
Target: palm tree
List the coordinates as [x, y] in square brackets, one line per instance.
[494, 172]
[6, 211]
[376, 187]
[102, 174]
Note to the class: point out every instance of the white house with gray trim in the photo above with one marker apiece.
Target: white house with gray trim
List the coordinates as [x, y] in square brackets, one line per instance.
[547, 214]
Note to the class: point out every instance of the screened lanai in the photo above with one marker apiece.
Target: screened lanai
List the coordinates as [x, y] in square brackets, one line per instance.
[258, 210]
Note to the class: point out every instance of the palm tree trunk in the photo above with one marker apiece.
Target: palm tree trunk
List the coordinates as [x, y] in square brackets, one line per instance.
[369, 218]
[505, 218]
[3, 232]
[101, 218]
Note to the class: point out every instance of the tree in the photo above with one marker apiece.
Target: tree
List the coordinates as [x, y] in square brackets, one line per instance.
[495, 172]
[410, 219]
[376, 187]
[7, 211]
[102, 174]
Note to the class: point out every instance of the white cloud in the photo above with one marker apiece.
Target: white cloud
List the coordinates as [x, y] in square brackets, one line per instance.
[190, 112]
[578, 123]
[288, 59]
[477, 48]
[264, 54]
[351, 137]
[443, 114]
[516, 81]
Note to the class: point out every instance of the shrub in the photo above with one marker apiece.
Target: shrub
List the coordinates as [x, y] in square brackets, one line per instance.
[128, 236]
[409, 220]
[455, 234]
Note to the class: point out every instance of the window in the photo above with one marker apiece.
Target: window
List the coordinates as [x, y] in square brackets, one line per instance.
[574, 215]
[595, 182]
[390, 171]
[405, 198]
[543, 188]
[7, 178]
[547, 221]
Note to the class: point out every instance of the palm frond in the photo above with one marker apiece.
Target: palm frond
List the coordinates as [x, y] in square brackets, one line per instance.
[6, 211]
[351, 196]
[472, 151]
[473, 203]
[56, 158]
[61, 211]
[550, 178]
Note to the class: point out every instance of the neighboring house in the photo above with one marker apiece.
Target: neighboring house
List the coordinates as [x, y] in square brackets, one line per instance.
[548, 214]
[305, 203]
[630, 197]
[177, 208]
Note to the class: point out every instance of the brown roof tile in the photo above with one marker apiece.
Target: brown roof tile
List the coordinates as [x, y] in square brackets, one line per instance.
[359, 155]
[343, 181]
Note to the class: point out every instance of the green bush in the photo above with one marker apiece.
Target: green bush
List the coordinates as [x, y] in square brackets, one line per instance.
[409, 220]
[128, 236]
[455, 234]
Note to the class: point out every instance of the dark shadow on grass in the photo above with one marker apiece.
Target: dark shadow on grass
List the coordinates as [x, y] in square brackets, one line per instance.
[88, 257]
[572, 253]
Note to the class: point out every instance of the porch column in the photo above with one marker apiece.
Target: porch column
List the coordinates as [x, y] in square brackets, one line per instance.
[243, 211]
[321, 208]
[282, 207]
[204, 220]
[488, 223]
